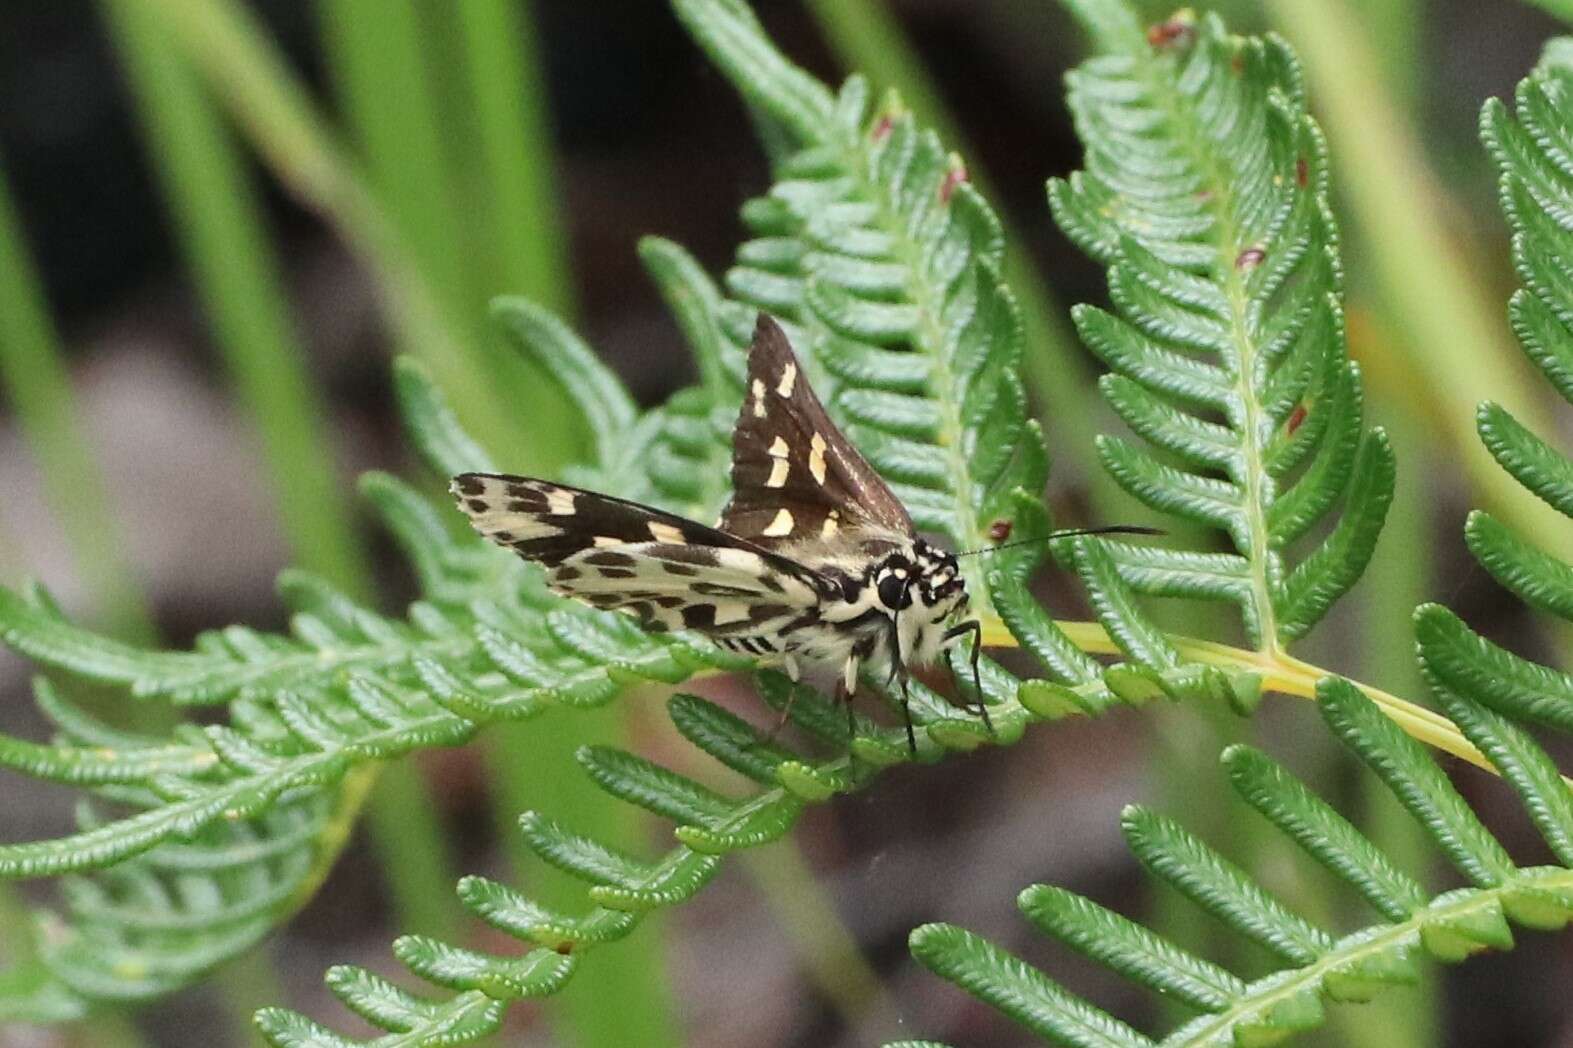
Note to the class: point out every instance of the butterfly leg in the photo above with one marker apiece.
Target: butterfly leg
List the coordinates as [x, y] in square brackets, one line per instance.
[793, 672]
[975, 628]
[846, 687]
[906, 710]
[898, 674]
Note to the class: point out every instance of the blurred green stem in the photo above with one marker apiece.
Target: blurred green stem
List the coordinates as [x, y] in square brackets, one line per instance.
[533, 768]
[225, 240]
[412, 851]
[223, 39]
[1459, 350]
[37, 384]
[245, 984]
[506, 85]
[831, 957]
[1395, 582]
[1394, 29]
[208, 193]
[379, 59]
[1562, 9]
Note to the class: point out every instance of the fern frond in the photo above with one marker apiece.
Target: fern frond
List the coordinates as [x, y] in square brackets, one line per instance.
[382, 689]
[1316, 965]
[885, 263]
[1531, 146]
[150, 924]
[882, 261]
[710, 824]
[1489, 692]
[310, 713]
[1205, 193]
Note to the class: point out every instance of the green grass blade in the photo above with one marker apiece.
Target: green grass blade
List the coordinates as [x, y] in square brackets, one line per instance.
[388, 60]
[224, 40]
[206, 187]
[506, 84]
[381, 58]
[34, 379]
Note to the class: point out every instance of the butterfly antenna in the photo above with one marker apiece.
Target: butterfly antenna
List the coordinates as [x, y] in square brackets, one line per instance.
[1113, 529]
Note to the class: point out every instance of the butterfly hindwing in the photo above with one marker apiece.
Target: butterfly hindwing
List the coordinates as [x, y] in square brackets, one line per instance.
[795, 477]
[669, 572]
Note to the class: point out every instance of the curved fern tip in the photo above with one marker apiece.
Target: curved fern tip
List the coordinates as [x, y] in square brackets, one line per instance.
[1238, 753]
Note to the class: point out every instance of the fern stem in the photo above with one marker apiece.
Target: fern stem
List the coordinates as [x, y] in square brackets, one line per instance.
[1279, 672]
[1478, 903]
[1256, 547]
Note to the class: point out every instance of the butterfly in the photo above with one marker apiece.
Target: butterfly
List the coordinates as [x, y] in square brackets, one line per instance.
[813, 561]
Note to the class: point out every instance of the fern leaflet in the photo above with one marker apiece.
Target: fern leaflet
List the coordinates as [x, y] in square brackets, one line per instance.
[1205, 194]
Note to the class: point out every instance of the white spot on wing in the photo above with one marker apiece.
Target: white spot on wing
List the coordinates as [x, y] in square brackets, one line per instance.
[559, 503]
[670, 617]
[782, 525]
[730, 611]
[738, 560]
[778, 448]
[816, 458]
[523, 528]
[602, 541]
[759, 398]
[666, 533]
[788, 378]
[779, 468]
[831, 526]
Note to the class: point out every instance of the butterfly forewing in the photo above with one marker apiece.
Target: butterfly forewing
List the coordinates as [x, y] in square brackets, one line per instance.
[814, 558]
[669, 572]
[795, 478]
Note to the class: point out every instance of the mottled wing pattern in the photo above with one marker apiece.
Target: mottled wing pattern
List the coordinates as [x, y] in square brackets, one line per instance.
[794, 476]
[669, 572]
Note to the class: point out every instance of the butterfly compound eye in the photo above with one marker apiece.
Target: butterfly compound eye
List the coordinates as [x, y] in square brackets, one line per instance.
[892, 590]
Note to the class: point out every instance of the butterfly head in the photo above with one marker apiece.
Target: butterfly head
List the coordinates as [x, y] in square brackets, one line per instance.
[921, 589]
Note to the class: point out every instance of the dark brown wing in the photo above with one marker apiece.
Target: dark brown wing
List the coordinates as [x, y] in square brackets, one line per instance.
[794, 476]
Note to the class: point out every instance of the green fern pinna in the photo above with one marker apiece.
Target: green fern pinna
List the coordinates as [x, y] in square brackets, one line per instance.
[1205, 195]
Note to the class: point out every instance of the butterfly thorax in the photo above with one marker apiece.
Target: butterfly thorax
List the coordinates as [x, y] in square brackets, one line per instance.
[892, 600]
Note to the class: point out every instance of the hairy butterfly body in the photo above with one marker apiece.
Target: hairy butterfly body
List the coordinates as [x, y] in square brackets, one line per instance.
[813, 560]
